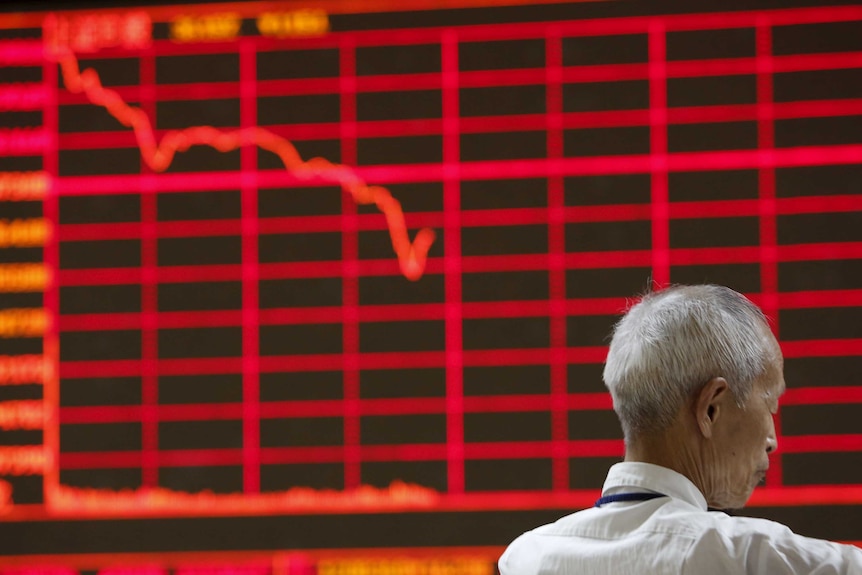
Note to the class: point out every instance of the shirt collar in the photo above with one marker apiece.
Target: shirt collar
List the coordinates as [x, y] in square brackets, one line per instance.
[633, 476]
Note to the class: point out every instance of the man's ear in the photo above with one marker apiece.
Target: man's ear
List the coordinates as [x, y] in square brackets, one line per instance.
[708, 404]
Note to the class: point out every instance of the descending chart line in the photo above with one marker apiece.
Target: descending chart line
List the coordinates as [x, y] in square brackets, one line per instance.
[158, 155]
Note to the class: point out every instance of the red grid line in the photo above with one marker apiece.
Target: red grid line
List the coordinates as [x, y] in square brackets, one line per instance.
[415, 452]
[324, 454]
[390, 360]
[515, 77]
[767, 205]
[508, 403]
[250, 300]
[197, 457]
[22, 53]
[412, 173]
[471, 218]
[658, 152]
[486, 78]
[825, 298]
[403, 406]
[368, 407]
[808, 495]
[822, 348]
[131, 93]
[821, 251]
[270, 455]
[819, 204]
[508, 123]
[821, 443]
[266, 225]
[381, 360]
[134, 320]
[556, 259]
[788, 63]
[453, 264]
[406, 452]
[151, 456]
[25, 96]
[822, 395]
[324, 362]
[332, 314]
[131, 413]
[542, 449]
[590, 401]
[267, 410]
[350, 268]
[104, 459]
[363, 222]
[132, 230]
[470, 264]
[305, 408]
[675, 22]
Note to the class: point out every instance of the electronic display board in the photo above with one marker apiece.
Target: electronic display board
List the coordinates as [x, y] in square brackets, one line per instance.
[346, 272]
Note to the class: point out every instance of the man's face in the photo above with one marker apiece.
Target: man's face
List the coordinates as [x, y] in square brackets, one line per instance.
[745, 440]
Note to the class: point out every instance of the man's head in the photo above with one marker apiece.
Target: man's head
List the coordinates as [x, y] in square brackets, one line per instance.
[700, 361]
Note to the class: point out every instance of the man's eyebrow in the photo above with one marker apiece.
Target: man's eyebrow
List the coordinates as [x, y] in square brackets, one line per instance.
[778, 392]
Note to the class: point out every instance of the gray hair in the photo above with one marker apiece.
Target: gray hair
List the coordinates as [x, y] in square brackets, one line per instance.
[670, 343]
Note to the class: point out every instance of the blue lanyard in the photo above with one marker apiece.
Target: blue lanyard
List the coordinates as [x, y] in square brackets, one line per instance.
[627, 497]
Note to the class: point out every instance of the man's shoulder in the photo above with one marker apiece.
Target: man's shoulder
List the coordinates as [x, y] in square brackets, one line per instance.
[606, 540]
[762, 546]
[677, 534]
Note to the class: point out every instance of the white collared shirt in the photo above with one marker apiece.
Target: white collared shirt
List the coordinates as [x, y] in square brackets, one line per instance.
[669, 535]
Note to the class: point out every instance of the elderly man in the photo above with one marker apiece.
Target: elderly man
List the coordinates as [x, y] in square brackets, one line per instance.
[695, 374]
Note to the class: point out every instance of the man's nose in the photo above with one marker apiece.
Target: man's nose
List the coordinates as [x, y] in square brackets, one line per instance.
[771, 444]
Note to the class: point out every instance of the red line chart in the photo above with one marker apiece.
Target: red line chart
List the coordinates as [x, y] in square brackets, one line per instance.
[159, 155]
